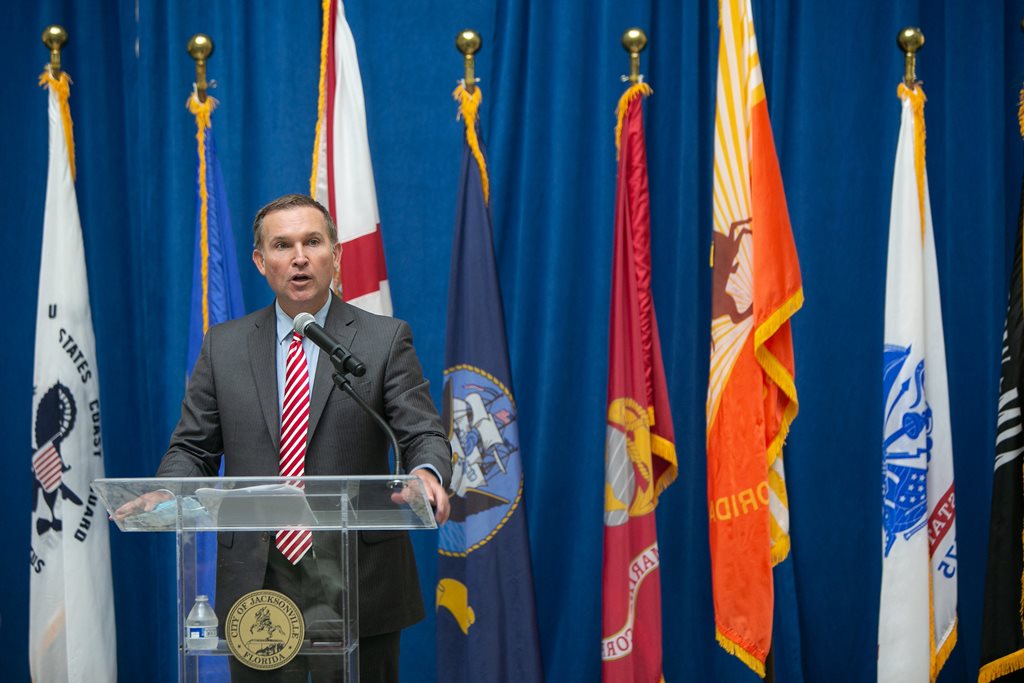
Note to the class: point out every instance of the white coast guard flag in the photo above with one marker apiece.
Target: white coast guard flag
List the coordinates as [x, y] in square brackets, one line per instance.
[919, 557]
[342, 178]
[71, 614]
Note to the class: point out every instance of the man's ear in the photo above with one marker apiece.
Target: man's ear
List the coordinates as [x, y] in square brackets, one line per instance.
[337, 258]
[257, 258]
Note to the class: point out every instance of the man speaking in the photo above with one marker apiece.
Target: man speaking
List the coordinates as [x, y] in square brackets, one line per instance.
[262, 395]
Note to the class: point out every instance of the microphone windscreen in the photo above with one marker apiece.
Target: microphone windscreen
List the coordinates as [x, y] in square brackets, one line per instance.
[301, 322]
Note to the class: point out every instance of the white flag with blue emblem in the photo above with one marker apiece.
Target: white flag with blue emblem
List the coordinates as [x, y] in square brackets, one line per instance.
[917, 611]
[71, 612]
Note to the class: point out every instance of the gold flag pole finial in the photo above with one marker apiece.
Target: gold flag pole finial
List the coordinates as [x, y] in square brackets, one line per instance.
[200, 47]
[634, 40]
[54, 37]
[910, 41]
[468, 43]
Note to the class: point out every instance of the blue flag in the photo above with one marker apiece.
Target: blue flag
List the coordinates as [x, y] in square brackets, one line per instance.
[216, 298]
[216, 286]
[486, 621]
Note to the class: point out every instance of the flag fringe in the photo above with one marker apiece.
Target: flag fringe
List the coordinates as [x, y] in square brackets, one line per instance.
[1004, 666]
[469, 106]
[62, 87]
[203, 112]
[917, 100]
[321, 100]
[780, 549]
[738, 651]
[632, 92]
[1020, 112]
[775, 370]
[942, 654]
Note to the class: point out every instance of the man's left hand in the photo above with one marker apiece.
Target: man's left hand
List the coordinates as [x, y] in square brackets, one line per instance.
[435, 494]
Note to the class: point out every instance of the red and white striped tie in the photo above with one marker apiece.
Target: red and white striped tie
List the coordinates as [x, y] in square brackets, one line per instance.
[294, 543]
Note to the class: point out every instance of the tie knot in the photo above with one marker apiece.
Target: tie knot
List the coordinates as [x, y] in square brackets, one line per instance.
[296, 338]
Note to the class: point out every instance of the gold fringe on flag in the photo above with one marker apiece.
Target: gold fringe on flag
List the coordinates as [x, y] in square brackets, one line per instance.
[737, 651]
[62, 87]
[322, 97]
[1020, 125]
[1004, 666]
[917, 100]
[469, 106]
[940, 658]
[635, 90]
[778, 373]
[203, 112]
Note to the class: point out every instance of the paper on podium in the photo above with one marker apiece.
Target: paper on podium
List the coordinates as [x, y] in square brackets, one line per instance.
[272, 506]
[163, 515]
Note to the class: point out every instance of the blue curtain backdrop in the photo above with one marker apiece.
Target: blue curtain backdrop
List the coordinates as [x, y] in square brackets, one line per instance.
[550, 77]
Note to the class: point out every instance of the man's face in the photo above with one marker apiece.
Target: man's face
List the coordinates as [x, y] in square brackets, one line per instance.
[297, 258]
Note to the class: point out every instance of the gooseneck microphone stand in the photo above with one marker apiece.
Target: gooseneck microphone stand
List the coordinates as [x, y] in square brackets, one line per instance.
[341, 380]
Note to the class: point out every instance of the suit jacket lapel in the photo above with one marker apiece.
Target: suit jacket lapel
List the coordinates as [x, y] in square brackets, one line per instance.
[340, 324]
[263, 358]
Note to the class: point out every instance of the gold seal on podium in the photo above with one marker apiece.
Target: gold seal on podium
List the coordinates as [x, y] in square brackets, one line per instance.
[264, 630]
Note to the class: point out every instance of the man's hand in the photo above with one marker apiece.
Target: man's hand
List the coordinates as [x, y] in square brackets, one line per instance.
[435, 494]
[144, 503]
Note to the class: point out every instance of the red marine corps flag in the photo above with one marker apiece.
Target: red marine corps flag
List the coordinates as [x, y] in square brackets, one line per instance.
[342, 178]
[640, 452]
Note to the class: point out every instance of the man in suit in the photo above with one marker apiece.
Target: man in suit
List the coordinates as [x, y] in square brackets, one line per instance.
[235, 404]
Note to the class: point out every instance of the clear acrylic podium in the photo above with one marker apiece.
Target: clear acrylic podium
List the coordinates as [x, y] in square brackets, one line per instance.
[233, 517]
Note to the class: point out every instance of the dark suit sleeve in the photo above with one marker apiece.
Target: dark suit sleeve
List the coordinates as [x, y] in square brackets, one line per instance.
[410, 410]
[196, 444]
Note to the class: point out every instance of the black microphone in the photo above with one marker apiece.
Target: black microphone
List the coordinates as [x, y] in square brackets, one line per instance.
[305, 324]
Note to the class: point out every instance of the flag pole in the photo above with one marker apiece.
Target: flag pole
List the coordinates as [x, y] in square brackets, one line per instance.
[468, 43]
[910, 40]
[634, 40]
[200, 48]
[54, 37]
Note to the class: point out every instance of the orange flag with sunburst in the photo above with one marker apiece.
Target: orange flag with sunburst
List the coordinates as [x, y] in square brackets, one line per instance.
[752, 399]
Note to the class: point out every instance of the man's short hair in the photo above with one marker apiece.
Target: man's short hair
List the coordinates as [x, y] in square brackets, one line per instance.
[292, 201]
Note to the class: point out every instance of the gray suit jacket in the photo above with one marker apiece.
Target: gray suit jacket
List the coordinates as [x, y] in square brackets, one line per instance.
[231, 407]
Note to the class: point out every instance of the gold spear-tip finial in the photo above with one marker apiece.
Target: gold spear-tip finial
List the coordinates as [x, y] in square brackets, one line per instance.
[468, 43]
[634, 40]
[200, 48]
[54, 37]
[910, 40]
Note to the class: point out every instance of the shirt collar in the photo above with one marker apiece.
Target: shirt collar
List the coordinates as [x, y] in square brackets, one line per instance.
[285, 324]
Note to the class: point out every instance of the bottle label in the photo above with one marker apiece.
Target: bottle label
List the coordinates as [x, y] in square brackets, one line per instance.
[202, 632]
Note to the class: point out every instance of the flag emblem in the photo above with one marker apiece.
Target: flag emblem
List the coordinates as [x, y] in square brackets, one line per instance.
[907, 446]
[55, 419]
[485, 475]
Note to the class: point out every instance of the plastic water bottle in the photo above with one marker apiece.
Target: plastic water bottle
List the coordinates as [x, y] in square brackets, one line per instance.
[201, 626]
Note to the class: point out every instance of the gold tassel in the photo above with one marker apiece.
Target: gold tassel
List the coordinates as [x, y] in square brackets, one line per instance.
[203, 112]
[62, 87]
[632, 91]
[469, 106]
[917, 100]
[321, 97]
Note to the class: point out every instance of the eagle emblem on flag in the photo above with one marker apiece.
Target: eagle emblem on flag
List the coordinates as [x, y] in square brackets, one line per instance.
[907, 446]
[55, 418]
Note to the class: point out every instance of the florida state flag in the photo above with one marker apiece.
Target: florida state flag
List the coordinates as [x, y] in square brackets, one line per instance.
[342, 178]
[640, 452]
[751, 393]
